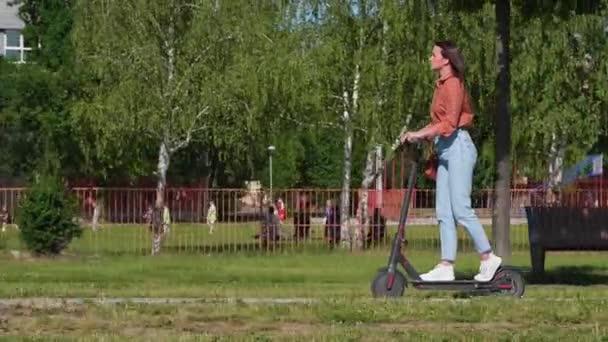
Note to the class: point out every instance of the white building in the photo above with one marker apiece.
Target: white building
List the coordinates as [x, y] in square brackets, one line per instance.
[12, 44]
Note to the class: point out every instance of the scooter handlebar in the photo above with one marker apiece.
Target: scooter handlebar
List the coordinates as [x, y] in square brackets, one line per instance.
[397, 144]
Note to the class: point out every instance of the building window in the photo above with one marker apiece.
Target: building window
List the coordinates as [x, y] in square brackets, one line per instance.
[15, 48]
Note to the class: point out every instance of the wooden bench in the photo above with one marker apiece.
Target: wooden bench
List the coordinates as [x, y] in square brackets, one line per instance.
[565, 228]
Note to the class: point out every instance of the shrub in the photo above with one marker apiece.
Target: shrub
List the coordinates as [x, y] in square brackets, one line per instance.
[46, 217]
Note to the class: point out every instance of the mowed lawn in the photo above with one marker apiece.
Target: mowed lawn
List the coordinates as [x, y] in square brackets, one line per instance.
[568, 303]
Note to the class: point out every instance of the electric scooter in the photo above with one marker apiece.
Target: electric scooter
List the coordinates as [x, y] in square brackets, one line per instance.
[390, 282]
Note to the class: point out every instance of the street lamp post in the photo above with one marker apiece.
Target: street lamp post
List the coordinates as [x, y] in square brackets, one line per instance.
[271, 149]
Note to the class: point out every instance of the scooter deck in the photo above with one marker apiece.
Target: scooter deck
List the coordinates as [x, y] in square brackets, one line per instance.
[455, 282]
[457, 285]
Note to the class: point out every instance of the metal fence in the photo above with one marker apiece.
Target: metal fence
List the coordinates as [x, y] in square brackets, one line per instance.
[121, 227]
[190, 205]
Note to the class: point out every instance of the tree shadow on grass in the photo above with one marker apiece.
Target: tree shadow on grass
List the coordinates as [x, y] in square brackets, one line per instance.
[563, 275]
[570, 275]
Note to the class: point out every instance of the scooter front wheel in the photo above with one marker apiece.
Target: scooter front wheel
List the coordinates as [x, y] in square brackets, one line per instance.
[380, 284]
[509, 283]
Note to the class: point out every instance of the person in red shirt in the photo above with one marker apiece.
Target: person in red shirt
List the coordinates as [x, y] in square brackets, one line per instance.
[281, 210]
[451, 117]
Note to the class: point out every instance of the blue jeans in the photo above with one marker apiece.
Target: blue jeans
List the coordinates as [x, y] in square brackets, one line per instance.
[457, 155]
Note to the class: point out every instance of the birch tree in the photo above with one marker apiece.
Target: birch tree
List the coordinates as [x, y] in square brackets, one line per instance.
[372, 55]
[146, 58]
[147, 65]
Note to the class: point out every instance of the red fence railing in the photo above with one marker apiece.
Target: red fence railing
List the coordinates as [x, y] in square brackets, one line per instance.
[127, 205]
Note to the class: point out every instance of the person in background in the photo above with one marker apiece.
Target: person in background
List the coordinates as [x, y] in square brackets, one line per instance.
[147, 216]
[281, 211]
[4, 218]
[301, 219]
[377, 228]
[332, 224]
[270, 230]
[211, 216]
[166, 220]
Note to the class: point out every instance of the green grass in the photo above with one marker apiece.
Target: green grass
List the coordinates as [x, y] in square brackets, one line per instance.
[232, 237]
[323, 274]
[336, 320]
[568, 303]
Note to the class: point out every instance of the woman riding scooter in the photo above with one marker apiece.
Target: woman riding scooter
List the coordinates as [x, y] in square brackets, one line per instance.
[451, 116]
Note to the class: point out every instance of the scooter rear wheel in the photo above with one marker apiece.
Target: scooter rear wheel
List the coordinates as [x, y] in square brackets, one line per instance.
[509, 283]
[379, 285]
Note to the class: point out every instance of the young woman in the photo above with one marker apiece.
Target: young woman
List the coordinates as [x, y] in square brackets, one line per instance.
[451, 116]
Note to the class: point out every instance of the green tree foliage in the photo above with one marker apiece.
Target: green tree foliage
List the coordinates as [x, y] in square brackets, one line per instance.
[275, 73]
[558, 85]
[35, 96]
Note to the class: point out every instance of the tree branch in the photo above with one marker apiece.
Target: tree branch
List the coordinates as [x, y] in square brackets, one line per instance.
[177, 143]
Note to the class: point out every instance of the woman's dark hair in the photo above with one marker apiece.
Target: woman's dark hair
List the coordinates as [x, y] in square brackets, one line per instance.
[450, 51]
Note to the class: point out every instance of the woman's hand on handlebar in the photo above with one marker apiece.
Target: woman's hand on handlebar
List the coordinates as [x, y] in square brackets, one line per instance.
[411, 137]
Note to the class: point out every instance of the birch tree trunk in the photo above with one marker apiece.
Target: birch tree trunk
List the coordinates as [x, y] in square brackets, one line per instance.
[345, 196]
[350, 110]
[363, 217]
[161, 171]
[164, 150]
[379, 178]
[557, 153]
[157, 216]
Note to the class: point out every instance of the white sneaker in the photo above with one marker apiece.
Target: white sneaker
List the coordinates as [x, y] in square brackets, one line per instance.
[441, 272]
[488, 267]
